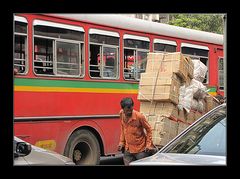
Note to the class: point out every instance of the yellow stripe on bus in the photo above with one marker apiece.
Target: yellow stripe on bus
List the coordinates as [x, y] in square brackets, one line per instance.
[212, 93]
[46, 144]
[61, 89]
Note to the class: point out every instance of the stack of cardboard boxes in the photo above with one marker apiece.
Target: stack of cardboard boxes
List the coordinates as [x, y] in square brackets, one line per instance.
[159, 91]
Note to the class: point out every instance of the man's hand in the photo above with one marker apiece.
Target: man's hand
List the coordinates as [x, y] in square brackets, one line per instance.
[150, 150]
[147, 149]
[120, 147]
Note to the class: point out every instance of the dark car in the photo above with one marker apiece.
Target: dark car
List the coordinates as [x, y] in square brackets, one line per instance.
[202, 143]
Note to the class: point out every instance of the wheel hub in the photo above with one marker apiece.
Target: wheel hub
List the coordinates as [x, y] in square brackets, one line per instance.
[77, 155]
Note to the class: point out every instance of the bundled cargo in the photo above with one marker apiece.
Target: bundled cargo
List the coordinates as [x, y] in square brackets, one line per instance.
[168, 63]
[197, 115]
[181, 126]
[170, 95]
[198, 105]
[211, 102]
[155, 87]
[190, 97]
[185, 98]
[200, 70]
[164, 129]
[199, 90]
[164, 109]
[190, 116]
[182, 115]
[190, 67]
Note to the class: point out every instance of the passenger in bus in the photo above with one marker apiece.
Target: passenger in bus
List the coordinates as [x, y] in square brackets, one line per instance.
[134, 141]
[15, 71]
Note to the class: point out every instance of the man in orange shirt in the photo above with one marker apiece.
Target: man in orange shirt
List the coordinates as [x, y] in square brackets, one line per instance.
[135, 142]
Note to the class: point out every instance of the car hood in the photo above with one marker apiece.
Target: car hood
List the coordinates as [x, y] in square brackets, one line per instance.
[181, 159]
[40, 156]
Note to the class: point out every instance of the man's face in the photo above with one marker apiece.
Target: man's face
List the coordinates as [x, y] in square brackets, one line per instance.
[128, 111]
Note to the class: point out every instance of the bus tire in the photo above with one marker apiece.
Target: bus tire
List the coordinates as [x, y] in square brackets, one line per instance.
[83, 148]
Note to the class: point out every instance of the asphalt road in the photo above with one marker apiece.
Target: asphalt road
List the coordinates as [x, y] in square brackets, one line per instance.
[116, 160]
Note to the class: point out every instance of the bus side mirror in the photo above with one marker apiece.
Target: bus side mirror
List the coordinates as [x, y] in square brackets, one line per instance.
[22, 149]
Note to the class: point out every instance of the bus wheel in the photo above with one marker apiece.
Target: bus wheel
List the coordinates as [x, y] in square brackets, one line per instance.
[83, 148]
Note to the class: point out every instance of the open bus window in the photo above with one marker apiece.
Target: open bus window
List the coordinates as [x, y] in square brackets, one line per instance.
[43, 56]
[103, 54]
[129, 64]
[105, 65]
[20, 47]
[220, 74]
[94, 61]
[135, 56]
[141, 63]
[135, 63]
[110, 69]
[58, 51]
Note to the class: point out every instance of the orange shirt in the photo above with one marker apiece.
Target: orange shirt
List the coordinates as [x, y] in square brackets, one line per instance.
[132, 135]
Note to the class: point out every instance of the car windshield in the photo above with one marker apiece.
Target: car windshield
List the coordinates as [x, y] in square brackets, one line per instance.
[207, 137]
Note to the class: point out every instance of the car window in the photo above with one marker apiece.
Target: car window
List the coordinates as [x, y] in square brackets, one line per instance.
[207, 137]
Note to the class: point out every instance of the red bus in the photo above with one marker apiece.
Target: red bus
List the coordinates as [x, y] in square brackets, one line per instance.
[75, 68]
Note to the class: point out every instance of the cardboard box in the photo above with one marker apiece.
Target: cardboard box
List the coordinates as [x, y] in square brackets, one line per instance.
[197, 115]
[164, 130]
[188, 81]
[148, 107]
[182, 115]
[155, 78]
[190, 67]
[166, 109]
[190, 117]
[168, 63]
[181, 126]
[166, 88]
[210, 103]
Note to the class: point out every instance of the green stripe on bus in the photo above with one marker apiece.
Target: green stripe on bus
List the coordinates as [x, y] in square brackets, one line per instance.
[212, 89]
[72, 84]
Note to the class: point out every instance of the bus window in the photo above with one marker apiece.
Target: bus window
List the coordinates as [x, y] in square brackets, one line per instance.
[103, 54]
[20, 45]
[220, 74]
[160, 45]
[135, 56]
[141, 63]
[197, 52]
[43, 56]
[58, 49]
[95, 60]
[67, 58]
[110, 63]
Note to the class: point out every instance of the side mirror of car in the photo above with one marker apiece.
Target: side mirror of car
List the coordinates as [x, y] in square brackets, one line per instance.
[22, 149]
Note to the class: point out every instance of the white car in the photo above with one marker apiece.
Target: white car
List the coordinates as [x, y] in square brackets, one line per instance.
[27, 154]
[202, 143]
